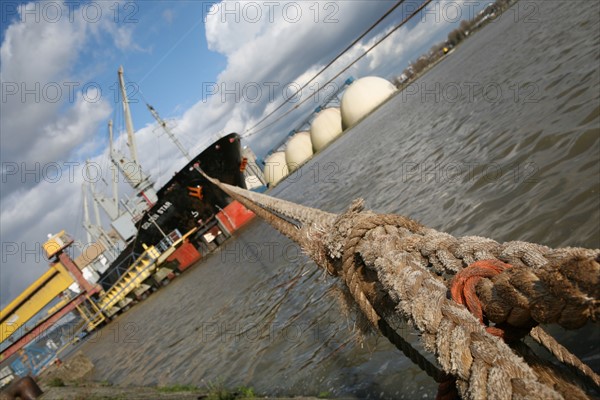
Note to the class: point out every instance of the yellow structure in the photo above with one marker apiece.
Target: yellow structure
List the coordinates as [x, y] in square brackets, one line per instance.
[56, 243]
[131, 280]
[33, 299]
[91, 314]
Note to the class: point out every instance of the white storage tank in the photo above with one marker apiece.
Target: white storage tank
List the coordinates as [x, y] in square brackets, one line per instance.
[362, 97]
[326, 126]
[275, 168]
[298, 150]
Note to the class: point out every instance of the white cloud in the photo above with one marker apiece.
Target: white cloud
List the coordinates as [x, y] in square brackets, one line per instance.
[168, 15]
[276, 48]
[44, 116]
[36, 57]
[45, 121]
[27, 216]
[71, 129]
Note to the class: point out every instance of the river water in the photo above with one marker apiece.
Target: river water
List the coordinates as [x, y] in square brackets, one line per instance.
[501, 139]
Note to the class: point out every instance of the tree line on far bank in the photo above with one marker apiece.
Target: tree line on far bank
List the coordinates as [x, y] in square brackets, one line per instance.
[455, 37]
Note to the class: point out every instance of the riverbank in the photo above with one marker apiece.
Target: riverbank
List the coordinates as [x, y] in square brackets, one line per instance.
[72, 380]
[99, 391]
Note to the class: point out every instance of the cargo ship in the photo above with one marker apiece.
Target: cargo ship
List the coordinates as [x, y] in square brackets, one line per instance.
[188, 216]
[187, 202]
[155, 235]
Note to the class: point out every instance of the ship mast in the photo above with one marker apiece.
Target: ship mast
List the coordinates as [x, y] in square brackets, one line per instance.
[87, 224]
[163, 124]
[110, 206]
[115, 173]
[132, 170]
[95, 232]
[110, 137]
[127, 115]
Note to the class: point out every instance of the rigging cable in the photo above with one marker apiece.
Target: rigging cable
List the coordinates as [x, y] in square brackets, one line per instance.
[404, 21]
[328, 65]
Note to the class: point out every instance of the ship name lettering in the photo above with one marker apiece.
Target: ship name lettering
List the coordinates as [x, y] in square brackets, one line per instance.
[156, 215]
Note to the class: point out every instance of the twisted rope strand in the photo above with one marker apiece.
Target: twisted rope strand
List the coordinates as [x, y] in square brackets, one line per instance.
[392, 264]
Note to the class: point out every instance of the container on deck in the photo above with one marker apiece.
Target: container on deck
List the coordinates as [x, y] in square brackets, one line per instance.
[185, 255]
[234, 216]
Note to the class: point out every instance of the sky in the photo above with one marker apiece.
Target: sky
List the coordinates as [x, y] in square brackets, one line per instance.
[209, 68]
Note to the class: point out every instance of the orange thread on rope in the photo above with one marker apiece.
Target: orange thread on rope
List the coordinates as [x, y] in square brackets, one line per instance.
[464, 285]
[463, 291]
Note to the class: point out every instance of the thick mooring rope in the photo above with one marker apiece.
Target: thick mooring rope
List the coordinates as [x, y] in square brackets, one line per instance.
[394, 267]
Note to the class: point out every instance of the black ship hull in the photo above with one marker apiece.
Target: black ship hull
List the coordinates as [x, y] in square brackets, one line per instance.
[185, 202]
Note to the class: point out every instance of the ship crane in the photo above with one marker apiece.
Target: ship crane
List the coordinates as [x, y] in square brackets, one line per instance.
[132, 169]
[120, 217]
[163, 124]
[127, 115]
[95, 232]
[134, 176]
[109, 205]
